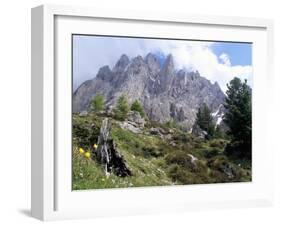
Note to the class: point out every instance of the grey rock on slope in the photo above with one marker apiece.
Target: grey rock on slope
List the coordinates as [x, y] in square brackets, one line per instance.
[165, 93]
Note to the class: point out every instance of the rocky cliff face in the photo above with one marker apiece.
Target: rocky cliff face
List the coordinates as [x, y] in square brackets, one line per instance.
[165, 93]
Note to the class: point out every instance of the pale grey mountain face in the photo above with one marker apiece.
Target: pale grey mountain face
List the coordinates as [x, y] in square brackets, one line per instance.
[165, 93]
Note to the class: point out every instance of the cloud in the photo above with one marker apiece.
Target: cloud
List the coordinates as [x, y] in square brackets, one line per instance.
[90, 53]
[225, 59]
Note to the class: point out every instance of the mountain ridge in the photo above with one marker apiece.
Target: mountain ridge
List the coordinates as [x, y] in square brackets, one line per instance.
[165, 93]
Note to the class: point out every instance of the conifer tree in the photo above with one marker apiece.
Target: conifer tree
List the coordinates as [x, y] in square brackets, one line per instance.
[204, 120]
[238, 117]
[136, 106]
[122, 108]
[97, 103]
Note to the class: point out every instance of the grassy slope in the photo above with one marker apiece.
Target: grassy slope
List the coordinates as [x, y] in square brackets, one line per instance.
[153, 160]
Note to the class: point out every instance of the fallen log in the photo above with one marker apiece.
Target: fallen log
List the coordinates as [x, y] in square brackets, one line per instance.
[108, 155]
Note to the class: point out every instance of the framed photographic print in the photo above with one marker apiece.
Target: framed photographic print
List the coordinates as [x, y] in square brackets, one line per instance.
[137, 113]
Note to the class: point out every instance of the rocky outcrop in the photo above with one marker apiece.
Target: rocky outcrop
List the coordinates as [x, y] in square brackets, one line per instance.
[134, 122]
[108, 155]
[135, 118]
[198, 132]
[164, 92]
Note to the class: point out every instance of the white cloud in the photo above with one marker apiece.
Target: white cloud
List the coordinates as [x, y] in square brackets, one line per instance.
[187, 54]
[225, 59]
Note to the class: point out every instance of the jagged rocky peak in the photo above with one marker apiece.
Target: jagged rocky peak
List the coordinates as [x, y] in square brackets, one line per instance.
[164, 92]
[152, 62]
[166, 75]
[168, 66]
[105, 73]
[194, 75]
[138, 60]
[122, 63]
[216, 86]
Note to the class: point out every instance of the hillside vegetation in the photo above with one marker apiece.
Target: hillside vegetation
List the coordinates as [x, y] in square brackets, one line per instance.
[159, 154]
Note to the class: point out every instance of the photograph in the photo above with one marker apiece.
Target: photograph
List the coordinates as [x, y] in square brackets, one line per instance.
[152, 111]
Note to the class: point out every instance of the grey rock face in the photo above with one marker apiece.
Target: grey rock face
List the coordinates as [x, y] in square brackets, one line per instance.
[197, 131]
[128, 126]
[134, 122]
[83, 113]
[152, 63]
[165, 93]
[134, 117]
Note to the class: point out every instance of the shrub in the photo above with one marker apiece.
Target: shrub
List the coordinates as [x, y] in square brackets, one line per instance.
[122, 108]
[211, 153]
[197, 145]
[97, 103]
[182, 137]
[224, 170]
[176, 173]
[150, 152]
[217, 143]
[171, 124]
[136, 106]
[180, 158]
[85, 134]
[238, 150]
[183, 176]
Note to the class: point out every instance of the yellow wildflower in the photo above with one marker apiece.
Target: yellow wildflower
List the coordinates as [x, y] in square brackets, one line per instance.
[87, 155]
[81, 151]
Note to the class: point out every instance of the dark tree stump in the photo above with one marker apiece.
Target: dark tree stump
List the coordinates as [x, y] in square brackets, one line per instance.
[107, 153]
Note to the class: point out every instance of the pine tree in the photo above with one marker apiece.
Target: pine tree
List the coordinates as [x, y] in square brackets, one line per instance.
[238, 117]
[122, 108]
[204, 120]
[136, 106]
[97, 103]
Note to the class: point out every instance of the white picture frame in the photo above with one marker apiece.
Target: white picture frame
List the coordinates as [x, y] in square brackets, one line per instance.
[51, 196]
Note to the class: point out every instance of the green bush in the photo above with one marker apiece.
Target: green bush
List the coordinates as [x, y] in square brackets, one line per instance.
[171, 124]
[211, 153]
[217, 143]
[238, 150]
[181, 137]
[136, 106]
[97, 103]
[122, 108]
[85, 134]
[150, 152]
[223, 170]
[183, 176]
[180, 158]
[177, 174]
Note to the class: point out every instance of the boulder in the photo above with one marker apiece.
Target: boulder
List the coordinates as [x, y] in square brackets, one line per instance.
[156, 132]
[131, 127]
[134, 117]
[197, 131]
[83, 113]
